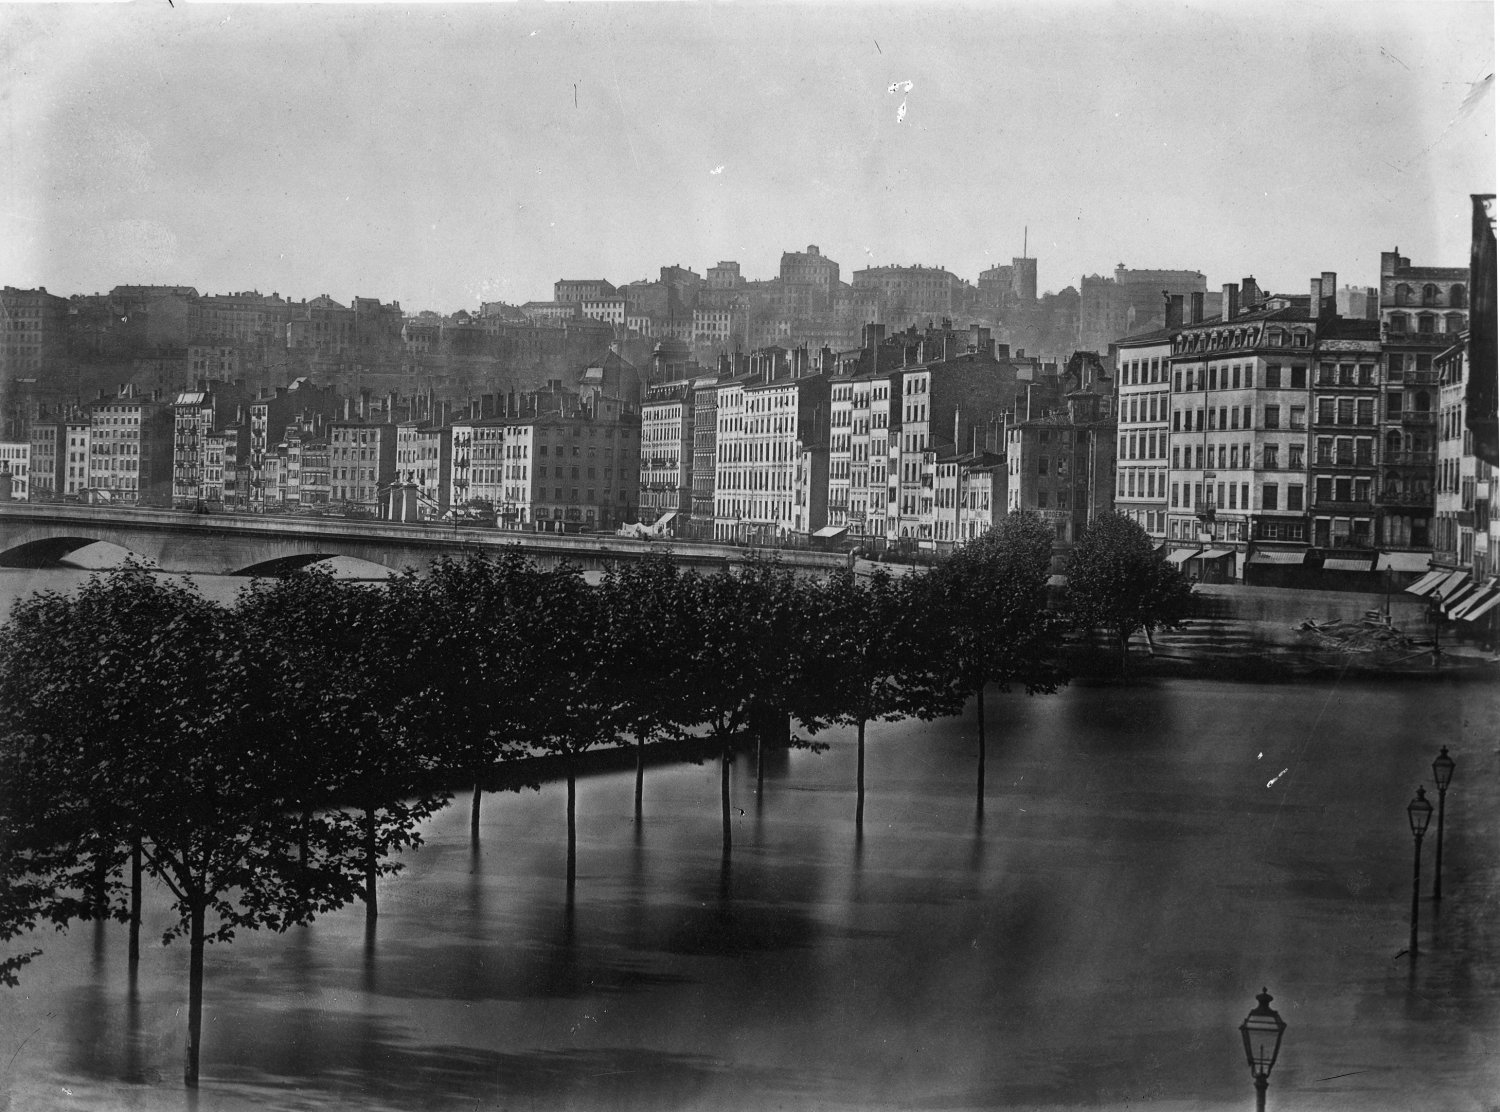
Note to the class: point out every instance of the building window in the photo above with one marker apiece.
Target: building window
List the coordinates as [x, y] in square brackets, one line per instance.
[1268, 496]
[1273, 416]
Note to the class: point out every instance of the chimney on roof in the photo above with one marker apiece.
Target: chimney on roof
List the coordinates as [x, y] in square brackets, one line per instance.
[1249, 294]
[1230, 302]
[1174, 309]
[1315, 298]
[1195, 307]
[1329, 306]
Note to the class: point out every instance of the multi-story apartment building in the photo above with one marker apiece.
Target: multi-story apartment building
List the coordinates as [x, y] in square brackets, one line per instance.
[15, 469]
[301, 403]
[968, 497]
[611, 310]
[361, 463]
[77, 432]
[130, 448]
[1453, 532]
[313, 481]
[33, 330]
[1143, 372]
[424, 458]
[1345, 414]
[705, 451]
[48, 437]
[770, 476]
[572, 470]
[1239, 440]
[1423, 310]
[478, 462]
[1062, 465]
[667, 451]
[193, 422]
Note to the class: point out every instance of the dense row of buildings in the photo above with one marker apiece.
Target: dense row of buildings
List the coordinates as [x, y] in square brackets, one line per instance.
[1256, 436]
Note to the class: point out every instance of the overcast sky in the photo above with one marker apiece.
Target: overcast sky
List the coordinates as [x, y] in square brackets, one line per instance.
[443, 155]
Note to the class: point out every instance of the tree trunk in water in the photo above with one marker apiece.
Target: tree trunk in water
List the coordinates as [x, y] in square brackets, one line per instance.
[302, 839]
[724, 793]
[372, 861]
[640, 774]
[101, 886]
[474, 813]
[195, 997]
[135, 904]
[979, 706]
[760, 761]
[1150, 643]
[859, 806]
[1124, 652]
[572, 827]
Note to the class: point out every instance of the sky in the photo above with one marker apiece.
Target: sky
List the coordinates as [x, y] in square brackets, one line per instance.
[443, 155]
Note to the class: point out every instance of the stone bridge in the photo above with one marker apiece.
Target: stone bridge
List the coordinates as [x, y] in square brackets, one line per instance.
[39, 534]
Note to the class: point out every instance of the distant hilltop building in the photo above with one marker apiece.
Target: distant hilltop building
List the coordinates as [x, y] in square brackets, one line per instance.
[1002, 287]
[1132, 302]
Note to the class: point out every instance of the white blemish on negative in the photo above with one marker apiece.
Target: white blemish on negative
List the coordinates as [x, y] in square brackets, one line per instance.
[1271, 782]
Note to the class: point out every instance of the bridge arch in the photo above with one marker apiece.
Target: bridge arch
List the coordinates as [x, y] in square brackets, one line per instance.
[299, 561]
[49, 552]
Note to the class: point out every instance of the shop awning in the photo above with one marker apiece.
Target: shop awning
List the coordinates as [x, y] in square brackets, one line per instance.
[832, 531]
[664, 518]
[1461, 604]
[1215, 553]
[1428, 583]
[1474, 610]
[1402, 561]
[1449, 587]
[1459, 599]
[1278, 557]
[1182, 555]
[1338, 563]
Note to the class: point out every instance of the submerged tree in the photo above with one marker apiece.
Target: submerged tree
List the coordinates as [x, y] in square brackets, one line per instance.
[169, 743]
[1117, 582]
[641, 640]
[991, 596]
[473, 694]
[870, 657]
[336, 655]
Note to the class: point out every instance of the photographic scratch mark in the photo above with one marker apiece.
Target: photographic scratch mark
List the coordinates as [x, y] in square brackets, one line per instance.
[877, 46]
[24, 1041]
[1336, 1076]
[1476, 93]
[575, 94]
[1272, 781]
[901, 112]
[1384, 53]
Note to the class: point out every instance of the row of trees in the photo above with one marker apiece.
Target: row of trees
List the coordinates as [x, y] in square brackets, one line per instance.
[270, 761]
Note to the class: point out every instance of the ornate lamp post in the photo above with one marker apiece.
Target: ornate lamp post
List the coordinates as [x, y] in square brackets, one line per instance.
[1442, 774]
[1262, 1031]
[1419, 813]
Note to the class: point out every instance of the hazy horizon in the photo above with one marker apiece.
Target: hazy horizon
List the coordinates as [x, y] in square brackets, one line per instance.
[446, 155]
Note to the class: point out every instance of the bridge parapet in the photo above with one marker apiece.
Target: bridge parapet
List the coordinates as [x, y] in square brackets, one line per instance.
[242, 544]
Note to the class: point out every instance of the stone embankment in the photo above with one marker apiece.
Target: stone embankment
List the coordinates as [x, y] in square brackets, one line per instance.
[1256, 633]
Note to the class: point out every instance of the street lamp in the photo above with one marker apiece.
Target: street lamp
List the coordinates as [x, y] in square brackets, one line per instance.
[1419, 813]
[1262, 1031]
[1442, 773]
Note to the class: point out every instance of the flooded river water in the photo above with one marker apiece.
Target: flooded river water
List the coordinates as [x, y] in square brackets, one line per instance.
[1150, 856]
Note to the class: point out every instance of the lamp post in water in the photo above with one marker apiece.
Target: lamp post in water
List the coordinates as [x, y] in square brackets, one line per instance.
[1262, 1031]
[1419, 814]
[1442, 774]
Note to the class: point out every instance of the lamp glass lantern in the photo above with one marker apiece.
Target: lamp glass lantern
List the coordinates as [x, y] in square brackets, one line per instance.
[1419, 813]
[1442, 770]
[1262, 1031]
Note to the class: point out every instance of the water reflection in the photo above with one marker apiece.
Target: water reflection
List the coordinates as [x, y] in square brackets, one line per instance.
[1093, 944]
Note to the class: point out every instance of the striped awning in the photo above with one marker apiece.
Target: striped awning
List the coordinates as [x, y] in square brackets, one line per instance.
[1336, 563]
[1182, 555]
[1215, 553]
[1428, 583]
[1403, 561]
[1264, 557]
[1479, 606]
[1450, 586]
